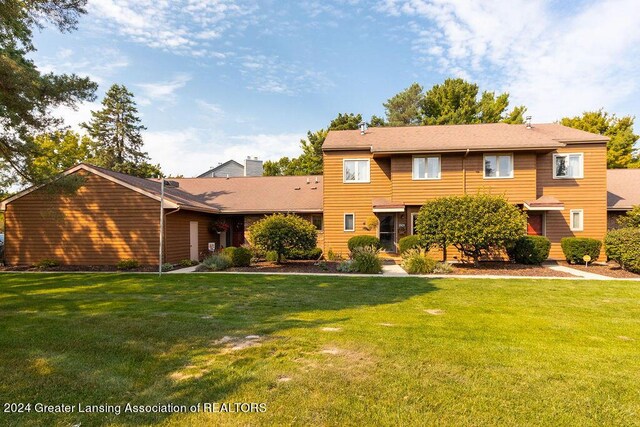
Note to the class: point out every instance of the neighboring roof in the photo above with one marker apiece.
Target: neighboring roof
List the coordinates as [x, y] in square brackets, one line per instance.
[212, 171]
[623, 188]
[257, 194]
[442, 138]
[219, 195]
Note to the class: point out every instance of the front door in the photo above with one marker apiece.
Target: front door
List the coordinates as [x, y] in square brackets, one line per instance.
[193, 240]
[388, 232]
[535, 224]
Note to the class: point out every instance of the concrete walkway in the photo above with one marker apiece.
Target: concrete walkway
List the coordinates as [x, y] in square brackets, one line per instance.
[191, 269]
[393, 270]
[576, 272]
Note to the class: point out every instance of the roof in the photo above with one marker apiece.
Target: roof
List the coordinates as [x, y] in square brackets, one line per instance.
[623, 188]
[441, 138]
[544, 203]
[257, 194]
[221, 166]
[219, 195]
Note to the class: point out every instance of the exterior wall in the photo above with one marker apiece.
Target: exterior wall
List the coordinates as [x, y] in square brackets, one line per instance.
[612, 219]
[100, 224]
[340, 198]
[177, 235]
[588, 193]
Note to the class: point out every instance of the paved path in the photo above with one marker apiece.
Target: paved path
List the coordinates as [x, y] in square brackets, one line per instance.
[183, 270]
[393, 270]
[576, 272]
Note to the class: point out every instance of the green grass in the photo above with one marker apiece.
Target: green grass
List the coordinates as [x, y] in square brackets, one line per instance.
[503, 352]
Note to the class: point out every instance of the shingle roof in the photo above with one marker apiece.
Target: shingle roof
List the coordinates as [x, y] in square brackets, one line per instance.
[493, 136]
[623, 188]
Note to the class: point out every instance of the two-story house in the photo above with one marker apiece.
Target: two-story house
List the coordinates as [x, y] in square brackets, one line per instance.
[558, 175]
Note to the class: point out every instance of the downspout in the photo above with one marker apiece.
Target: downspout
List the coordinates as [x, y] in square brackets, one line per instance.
[464, 173]
[164, 242]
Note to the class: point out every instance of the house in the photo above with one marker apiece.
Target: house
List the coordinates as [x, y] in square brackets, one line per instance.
[114, 216]
[623, 193]
[231, 168]
[556, 174]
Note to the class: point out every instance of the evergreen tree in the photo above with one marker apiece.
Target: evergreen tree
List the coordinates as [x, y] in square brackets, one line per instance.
[404, 108]
[116, 131]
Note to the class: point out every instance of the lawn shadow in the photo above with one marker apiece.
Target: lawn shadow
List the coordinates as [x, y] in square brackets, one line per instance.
[182, 339]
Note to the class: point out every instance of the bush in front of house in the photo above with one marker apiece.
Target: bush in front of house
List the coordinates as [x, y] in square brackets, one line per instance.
[167, 266]
[345, 266]
[631, 218]
[215, 262]
[43, 264]
[282, 233]
[575, 248]
[623, 246]
[409, 242]
[443, 268]
[362, 241]
[127, 264]
[366, 260]
[418, 261]
[272, 256]
[530, 250]
[300, 254]
[241, 257]
[476, 225]
[187, 262]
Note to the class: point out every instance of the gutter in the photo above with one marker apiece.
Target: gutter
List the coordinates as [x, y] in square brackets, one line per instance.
[464, 172]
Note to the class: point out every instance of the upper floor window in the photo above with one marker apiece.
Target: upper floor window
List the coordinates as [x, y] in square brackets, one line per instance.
[426, 167]
[568, 166]
[498, 166]
[356, 170]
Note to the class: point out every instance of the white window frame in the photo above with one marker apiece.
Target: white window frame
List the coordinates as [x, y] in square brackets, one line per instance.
[344, 222]
[344, 180]
[496, 155]
[572, 226]
[413, 215]
[413, 170]
[556, 155]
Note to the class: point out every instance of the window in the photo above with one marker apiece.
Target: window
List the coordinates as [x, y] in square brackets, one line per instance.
[349, 222]
[498, 166]
[426, 167]
[414, 217]
[568, 166]
[577, 220]
[356, 170]
[316, 220]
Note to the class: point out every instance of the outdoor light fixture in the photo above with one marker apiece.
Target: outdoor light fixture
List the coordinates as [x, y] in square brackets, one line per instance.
[170, 184]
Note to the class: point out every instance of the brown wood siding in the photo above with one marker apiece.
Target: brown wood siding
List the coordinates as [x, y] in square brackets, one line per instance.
[588, 193]
[178, 245]
[415, 192]
[340, 198]
[520, 188]
[101, 224]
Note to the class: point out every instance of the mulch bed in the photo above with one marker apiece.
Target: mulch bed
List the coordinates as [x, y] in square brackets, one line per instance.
[501, 268]
[290, 267]
[611, 269]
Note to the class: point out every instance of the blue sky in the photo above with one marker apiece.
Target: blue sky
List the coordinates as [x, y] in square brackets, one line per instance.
[216, 80]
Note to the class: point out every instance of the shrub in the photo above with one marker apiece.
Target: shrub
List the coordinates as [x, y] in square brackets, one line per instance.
[363, 241]
[475, 224]
[228, 251]
[631, 218]
[366, 260]
[623, 247]
[443, 268]
[187, 262]
[530, 250]
[271, 256]
[575, 248]
[241, 257]
[417, 261]
[282, 233]
[216, 262]
[408, 242]
[47, 263]
[311, 254]
[167, 266]
[332, 256]
[345, 266]
[127, 264]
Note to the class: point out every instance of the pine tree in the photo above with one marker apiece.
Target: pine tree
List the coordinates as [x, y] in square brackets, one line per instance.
[116, 131]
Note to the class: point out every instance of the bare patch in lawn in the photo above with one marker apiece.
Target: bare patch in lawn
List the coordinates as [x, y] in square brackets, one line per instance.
[624, 338]
[434, 312]
[331, 329]
[239, 343]
[386, 324]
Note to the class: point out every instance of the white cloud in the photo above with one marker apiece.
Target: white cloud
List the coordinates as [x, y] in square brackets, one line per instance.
[192, 151]
[555, 62]
[73, 118]
[99, 64]
[163, 91]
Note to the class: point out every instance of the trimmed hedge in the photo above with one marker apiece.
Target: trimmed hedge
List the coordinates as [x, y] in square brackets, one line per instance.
[575, 248]
[239, 256]
[623, 246]
[302, 254]
[409, 242]
[530, 250]
[363, 241]
[127, 264]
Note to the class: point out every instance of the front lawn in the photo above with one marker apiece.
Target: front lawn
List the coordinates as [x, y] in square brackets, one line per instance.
[322, 350]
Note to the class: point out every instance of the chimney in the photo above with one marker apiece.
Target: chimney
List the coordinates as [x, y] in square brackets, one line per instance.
[527, 122]
[252, 166]
[363, 128]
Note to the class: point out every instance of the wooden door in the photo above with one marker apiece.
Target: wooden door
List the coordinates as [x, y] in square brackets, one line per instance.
[193, 240]
[535, 224]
